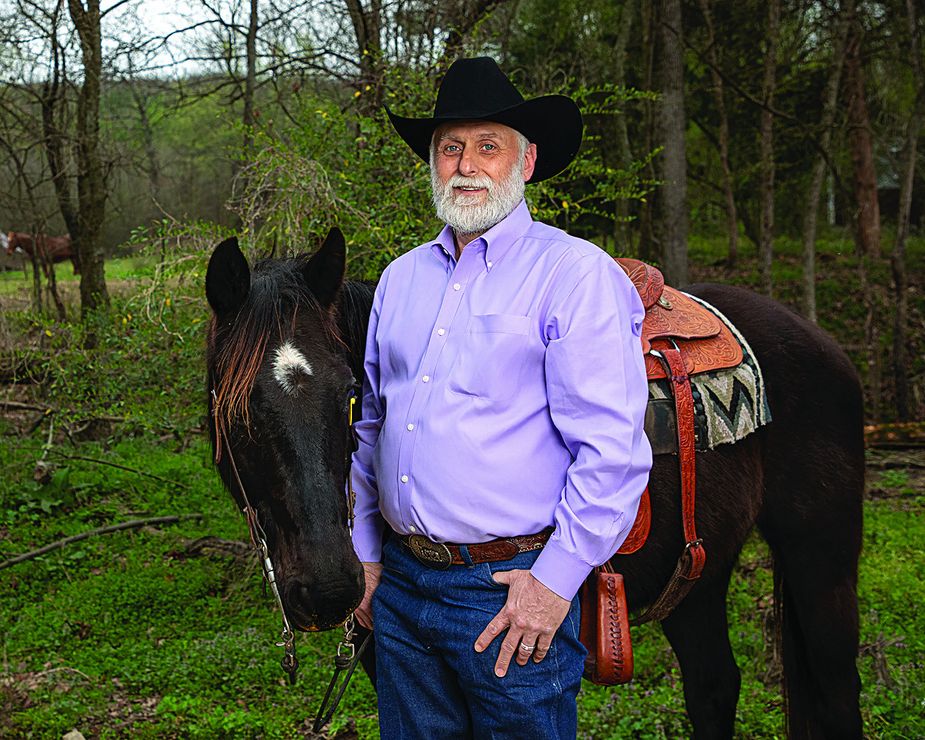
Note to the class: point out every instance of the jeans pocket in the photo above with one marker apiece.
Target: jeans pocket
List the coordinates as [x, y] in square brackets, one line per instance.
[487, 570]
[521, 561]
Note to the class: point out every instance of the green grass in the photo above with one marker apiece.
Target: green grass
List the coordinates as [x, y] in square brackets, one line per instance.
[125, 634]
[127, 623]
[118, 268]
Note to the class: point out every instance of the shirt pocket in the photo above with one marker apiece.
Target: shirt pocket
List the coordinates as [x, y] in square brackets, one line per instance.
[491, 360]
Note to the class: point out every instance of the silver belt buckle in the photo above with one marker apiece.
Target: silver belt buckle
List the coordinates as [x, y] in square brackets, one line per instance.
[434, 554]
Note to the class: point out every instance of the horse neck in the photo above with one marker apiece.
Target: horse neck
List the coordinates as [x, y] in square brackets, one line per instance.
[353, 308]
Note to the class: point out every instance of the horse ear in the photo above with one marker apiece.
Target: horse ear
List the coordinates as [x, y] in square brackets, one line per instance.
[324, 272]
[228, 278]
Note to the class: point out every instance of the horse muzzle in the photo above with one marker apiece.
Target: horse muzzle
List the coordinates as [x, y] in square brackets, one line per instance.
[321, 605]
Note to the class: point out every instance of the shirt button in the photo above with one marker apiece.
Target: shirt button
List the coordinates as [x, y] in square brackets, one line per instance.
[412, 528]
[404, 479]
[441, 332]
[488, 263]
[456, 286]
[411, 427]
[426, 379]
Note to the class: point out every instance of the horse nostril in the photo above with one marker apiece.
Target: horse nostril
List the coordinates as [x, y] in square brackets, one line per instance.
[324, 602]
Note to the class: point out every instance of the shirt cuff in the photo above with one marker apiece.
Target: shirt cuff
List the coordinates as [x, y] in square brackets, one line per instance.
[561, 571]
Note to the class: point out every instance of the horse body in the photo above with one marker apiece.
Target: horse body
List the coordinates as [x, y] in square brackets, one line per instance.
[53, 248]
[799, 479]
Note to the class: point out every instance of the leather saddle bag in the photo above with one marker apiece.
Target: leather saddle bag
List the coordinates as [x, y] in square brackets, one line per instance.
[605, 628]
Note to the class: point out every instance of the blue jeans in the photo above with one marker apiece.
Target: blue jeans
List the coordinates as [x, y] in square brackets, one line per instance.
[431, 683]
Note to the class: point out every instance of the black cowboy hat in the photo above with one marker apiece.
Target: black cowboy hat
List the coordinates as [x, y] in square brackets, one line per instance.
[477, 90]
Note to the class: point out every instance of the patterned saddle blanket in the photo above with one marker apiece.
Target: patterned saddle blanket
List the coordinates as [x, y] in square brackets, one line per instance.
[729, 403]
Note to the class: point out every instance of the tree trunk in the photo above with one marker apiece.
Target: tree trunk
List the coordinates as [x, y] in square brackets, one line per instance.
[867, 209]
[54, 113]
[250, 80]
[904, 412]
[732, 221]
[48, 268]
[766, 184]
[623, 235]
[91, 183]
[367, 25]
[811, 214]
[37, 302]
[648, 240]
[671, 124]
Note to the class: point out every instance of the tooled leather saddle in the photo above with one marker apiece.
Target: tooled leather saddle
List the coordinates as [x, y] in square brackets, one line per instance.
[680, 338]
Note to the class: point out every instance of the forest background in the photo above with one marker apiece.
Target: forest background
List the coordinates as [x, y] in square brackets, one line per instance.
[774, 145]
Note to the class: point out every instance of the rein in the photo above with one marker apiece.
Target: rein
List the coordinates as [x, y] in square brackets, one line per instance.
[347, 656]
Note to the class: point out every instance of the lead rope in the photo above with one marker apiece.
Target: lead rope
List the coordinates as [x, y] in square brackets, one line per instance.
[348, 655]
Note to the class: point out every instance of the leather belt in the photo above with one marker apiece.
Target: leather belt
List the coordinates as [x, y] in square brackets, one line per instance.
[444, 554]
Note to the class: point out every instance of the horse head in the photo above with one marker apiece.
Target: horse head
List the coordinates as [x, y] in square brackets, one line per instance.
[280, 397]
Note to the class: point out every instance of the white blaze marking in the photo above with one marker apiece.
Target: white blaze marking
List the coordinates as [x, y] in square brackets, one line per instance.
[287, 364]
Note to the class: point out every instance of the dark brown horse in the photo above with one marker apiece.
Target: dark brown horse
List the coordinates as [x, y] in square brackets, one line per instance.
[798, 479]
[50, 248]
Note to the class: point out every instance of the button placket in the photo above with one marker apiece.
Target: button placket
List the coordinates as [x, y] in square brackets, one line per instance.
[452, 299]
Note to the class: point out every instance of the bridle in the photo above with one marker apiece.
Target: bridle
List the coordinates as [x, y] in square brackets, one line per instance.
[347, 654]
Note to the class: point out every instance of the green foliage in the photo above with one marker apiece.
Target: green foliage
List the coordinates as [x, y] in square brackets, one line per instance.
[584, 199]
[339, 165]
[84, 384]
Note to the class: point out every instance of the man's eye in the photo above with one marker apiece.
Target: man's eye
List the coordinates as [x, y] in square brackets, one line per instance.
[451, 149]
[489, 147]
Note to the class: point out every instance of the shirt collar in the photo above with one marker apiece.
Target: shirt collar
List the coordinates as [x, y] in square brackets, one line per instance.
[497, 240]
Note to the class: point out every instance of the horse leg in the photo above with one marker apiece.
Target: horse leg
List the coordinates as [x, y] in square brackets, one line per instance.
[698, 632]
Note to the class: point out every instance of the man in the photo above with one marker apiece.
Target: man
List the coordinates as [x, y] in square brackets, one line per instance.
[502, 433]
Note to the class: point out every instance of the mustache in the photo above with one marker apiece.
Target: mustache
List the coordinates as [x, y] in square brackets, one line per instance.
[476, 181]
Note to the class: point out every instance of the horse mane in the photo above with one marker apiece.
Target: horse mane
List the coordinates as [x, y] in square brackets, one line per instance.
[236, 352]
[356, 300]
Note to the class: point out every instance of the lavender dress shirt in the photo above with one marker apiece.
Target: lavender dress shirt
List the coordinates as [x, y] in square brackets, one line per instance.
[504, 393]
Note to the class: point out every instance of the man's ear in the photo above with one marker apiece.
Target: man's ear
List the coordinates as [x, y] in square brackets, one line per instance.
[324, 272]
[529, 161]
[228, 279]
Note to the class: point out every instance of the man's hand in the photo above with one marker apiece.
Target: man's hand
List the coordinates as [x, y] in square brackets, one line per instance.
[364, 612]
[531, 617]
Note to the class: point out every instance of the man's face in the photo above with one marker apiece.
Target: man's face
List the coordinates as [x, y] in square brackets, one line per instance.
[478, 171]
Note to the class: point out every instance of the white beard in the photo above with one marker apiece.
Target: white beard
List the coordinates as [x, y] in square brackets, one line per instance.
[464, 214]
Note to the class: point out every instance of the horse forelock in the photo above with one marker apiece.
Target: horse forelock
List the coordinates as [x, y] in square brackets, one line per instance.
[275, 301]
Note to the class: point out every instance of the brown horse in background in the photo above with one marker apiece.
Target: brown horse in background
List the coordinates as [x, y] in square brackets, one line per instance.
[50, 248]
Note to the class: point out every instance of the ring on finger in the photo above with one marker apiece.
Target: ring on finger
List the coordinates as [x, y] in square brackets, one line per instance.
[527, 648]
